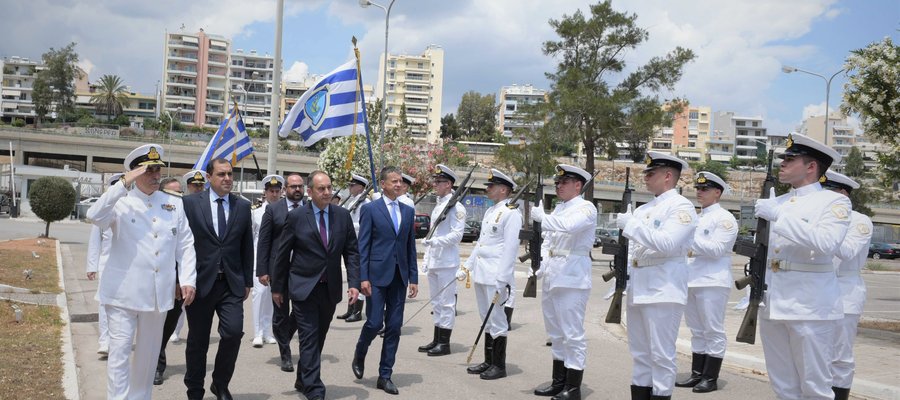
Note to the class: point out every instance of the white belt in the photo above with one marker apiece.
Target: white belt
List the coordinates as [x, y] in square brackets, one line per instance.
[854, 272]
[572, 252]
[649, 262]
[782, 265]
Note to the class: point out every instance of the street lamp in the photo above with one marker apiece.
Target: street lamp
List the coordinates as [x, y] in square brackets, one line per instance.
[387, 15]
[169, 137]
[788, 69]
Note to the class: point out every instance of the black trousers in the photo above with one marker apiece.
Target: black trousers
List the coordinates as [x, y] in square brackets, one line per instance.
[313, 317]
[283, 328]
[168, 328]
[230, 310]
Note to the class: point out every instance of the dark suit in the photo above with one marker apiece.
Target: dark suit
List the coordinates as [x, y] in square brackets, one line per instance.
[273, 221]
[220, 293]
[388, 262]
[311, 278]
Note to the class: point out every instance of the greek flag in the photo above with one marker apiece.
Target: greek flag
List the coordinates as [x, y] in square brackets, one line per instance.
[329, 108]
[230, 142]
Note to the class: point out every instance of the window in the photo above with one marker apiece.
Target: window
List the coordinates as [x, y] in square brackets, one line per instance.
[755, 123]
[740, 123]
[742, 132]
[510, 107]
[693, 115]
[421, 65]
[391, 75]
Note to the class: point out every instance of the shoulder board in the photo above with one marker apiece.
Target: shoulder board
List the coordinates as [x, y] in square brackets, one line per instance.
[255, 206]
[512, 206]
[172, 193]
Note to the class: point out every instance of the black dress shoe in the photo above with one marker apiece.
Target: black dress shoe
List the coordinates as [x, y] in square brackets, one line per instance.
[287, 365]
[158, 378]
[220, 393]
[358, 366]
[386, 385]
[298, 385]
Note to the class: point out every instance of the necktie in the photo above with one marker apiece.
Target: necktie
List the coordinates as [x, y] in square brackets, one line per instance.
[221, 217]
[293, 206]
[322, 233]
[395, 217]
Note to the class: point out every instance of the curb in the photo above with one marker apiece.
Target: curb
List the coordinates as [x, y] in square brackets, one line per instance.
[70, 373]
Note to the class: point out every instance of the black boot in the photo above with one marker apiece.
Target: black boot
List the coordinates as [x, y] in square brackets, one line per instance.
[429, 346]
[356, 315]
[708, 382]
[697, 362]
[508, 311]
[443, 343]
[641, 392]
[841, 393]
[497, 369]
[558, 382]
[346, 314]
[655, 397]
[488, 356]
[572, 390]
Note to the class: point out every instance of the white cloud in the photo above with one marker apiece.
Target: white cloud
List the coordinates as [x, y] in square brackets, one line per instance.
[87, 66]
[297, 72]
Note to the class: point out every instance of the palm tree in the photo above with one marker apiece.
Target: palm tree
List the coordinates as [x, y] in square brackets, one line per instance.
[110, 97]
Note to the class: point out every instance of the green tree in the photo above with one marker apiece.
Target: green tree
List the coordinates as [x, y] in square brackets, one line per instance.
[450, 129]
[873, 89]
[111, 97]
[52, 198]
[58, 77]
[713, 166]
[855, 167]
[530, 151]
[477, 116]
[591, 52]
[403, 124]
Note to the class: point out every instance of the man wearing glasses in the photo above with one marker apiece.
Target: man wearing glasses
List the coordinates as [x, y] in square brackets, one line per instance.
[660, 234]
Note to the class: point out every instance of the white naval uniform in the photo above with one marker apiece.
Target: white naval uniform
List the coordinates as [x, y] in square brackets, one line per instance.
[442, 261]
[568, 234]
[492, 262]
[405, 199]
[798, 318]
[97, 254]
[261, 294]
[149, 235]
[710, 280]
[660, 234]
[850, 259]
[354, 216]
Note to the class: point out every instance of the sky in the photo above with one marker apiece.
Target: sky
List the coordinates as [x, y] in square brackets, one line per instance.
[740, 45]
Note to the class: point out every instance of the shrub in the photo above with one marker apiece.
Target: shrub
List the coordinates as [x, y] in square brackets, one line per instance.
[18, 122]
[52, 198]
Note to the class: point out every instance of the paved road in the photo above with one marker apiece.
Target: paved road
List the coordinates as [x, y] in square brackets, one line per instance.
[607, 376]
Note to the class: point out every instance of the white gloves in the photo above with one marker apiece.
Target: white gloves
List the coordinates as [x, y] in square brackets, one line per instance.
[501, 287]
[539, 273]
[424, 268]
[537, 213]
[623, 218]
[427, 242]
[768, 209]
[461, 274]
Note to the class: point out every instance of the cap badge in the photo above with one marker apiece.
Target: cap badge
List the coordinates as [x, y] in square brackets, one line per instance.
[560, 171]
[153, 154]
[273, 181]
[198, 176]
[648, 159]
[701, 179]
[822, 179]
[438, 170]
[491, 175]
[790, 141]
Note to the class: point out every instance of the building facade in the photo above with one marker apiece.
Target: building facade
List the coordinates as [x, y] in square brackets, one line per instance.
[841, 136]
[416, 82]
[16, 85]
[250, 85]
[511, 99]
[195, 78]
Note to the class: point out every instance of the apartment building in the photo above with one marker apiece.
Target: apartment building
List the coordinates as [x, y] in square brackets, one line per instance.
[415, 81]
[195, 78]
[691, 133]
[841, 136]
[250, 84]
[736, 135]
[511, 99]
[16, 83]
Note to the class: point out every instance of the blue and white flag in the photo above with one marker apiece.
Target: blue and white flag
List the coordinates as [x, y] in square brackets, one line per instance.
[327, 109]
[230, 142]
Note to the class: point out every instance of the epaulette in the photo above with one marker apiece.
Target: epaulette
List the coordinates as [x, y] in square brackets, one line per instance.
[512, 206]
[255, 206]
[172, 192]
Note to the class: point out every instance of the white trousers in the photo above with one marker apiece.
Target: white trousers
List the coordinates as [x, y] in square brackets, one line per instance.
[652, 331]
[103, 323]
[844, 364]
[444, 303]
[131, 376]
[262, 309]
[798, 357]
[496, 325]
[564, 320]
[705, 316]
[511, 303]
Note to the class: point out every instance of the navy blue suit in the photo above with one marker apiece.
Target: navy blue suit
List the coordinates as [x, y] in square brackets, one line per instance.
[387, 259]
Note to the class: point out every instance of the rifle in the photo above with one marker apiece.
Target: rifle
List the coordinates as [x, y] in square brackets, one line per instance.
[534, 239]
[461, 191]
[344, 201]
[619, 265]
[755, 270]
[362, 197]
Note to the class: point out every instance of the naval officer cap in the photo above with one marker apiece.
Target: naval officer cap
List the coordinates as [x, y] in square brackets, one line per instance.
[802, 145]
[834, 180]
[358, 180]
[195, 176]
[564, 170]
[115, 178]
[706, 179]
[273, 180]
[497, 177]
[148, 154]
[443, 171]
[408, 179]
[656, 159]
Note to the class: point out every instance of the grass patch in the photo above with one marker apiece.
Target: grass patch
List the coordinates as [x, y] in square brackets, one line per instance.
[31, 359]
[880, 266]
[17, 256]
[890, 326]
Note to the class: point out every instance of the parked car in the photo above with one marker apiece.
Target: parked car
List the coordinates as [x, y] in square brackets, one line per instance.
[605, 236]
[883, 250]
[89, 201]
[471, 231]
[421, 225]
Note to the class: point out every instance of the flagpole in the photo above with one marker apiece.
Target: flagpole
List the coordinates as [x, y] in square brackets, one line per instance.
[276, 90]
[362, 96]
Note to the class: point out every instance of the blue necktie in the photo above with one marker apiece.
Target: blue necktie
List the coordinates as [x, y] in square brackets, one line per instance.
[395, 217]
[221, 217]
[322, 233]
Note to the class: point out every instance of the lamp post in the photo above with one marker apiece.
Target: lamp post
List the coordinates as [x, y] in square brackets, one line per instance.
[788, 69]
[169, 137]
[387, 15]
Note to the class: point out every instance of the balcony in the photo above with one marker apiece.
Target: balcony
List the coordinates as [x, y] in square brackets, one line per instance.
[183, 45]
